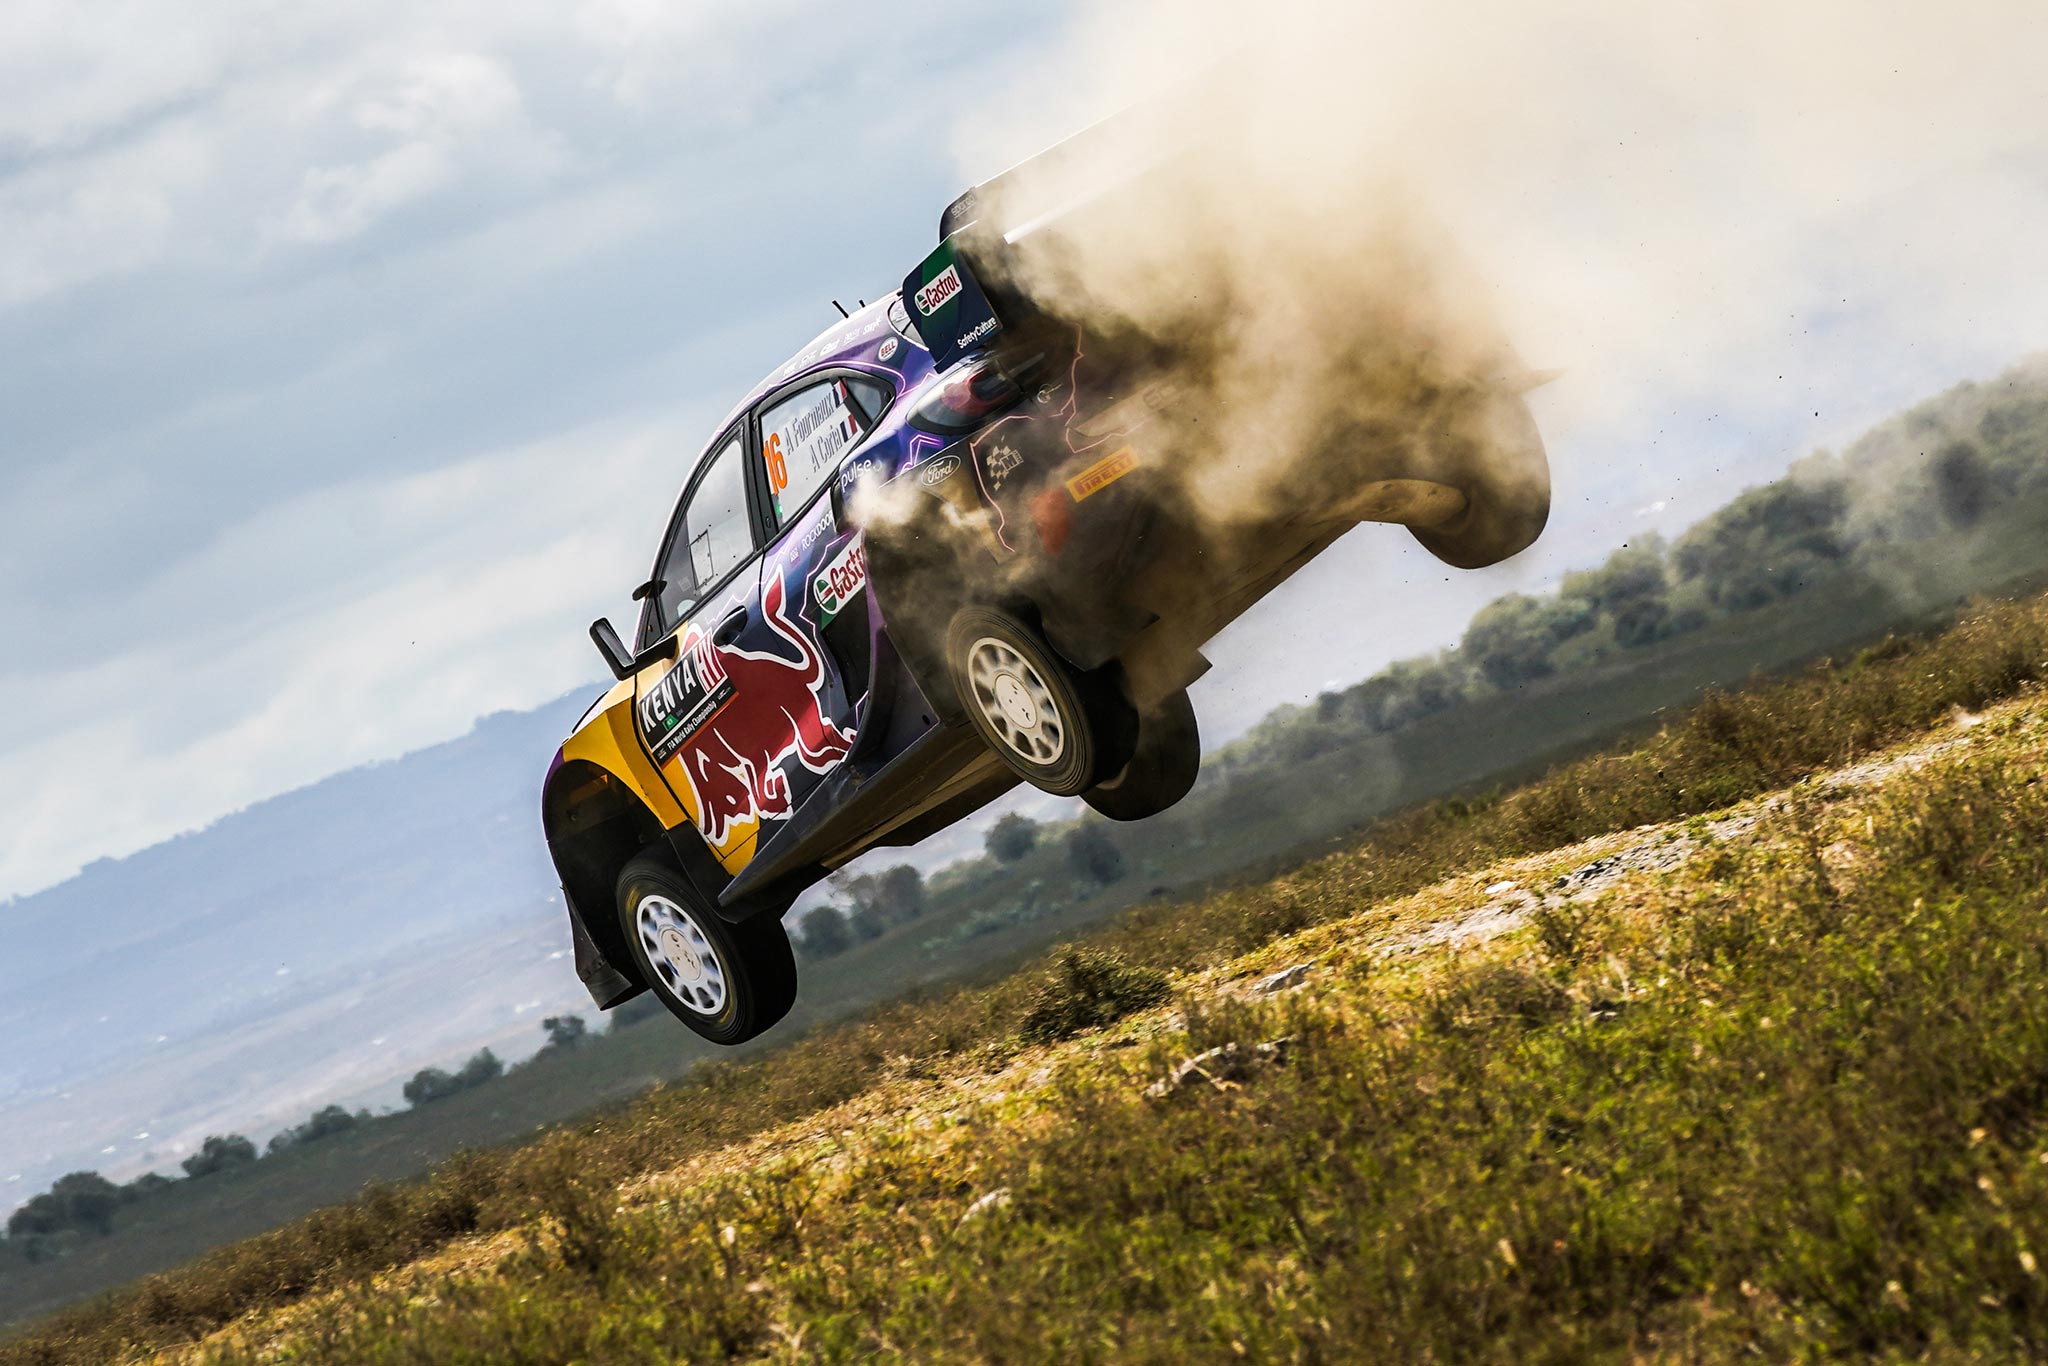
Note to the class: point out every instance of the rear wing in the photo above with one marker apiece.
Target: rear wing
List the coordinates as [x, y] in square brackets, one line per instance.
[1075, 170]
[947, 299]
[948, 305]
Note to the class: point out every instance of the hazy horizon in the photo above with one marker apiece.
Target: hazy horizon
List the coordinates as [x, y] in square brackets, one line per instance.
[356, 358]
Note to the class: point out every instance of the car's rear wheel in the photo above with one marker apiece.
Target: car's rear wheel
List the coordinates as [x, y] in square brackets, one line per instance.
[1056, 728]
[1490, 451]
[1163, 766]
[727, 982]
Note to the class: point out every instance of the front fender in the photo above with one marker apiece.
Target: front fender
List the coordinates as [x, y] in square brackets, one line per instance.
[601, 804]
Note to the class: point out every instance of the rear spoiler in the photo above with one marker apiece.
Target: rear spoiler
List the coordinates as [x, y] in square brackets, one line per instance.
[947, 304]
[946, 301]
[1077, 169]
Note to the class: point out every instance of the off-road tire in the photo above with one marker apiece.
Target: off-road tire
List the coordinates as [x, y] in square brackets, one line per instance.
[1163, 766]
[744, 977]
[1056, 728]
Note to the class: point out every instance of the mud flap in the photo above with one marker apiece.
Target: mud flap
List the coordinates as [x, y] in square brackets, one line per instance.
[606, 984]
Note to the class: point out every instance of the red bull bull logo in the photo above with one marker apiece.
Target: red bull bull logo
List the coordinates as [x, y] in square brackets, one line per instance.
[733, 717]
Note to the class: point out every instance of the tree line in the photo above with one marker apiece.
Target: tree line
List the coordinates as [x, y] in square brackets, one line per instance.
[869, 905]
[84, 1204]
[1931, 474]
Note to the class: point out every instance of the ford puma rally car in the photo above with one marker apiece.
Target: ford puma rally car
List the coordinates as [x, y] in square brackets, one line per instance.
[953, 545]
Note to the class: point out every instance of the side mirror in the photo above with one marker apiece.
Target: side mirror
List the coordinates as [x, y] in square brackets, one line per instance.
[612, 648]
[622, 664]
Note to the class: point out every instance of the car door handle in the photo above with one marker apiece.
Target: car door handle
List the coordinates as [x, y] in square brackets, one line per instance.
[729, 630]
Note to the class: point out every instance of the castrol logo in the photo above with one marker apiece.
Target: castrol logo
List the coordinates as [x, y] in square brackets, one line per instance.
[941, 288]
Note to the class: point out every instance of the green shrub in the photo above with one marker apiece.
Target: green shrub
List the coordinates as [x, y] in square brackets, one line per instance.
[1088, 989]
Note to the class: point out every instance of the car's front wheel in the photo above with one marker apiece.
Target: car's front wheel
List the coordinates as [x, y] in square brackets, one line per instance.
[1162, 768]
[727, 982]
[1058, 729]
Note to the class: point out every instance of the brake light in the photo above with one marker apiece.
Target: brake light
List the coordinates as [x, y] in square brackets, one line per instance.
[965, 399]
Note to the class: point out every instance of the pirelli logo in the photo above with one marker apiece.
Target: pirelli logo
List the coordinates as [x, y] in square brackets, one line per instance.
[1102, 473]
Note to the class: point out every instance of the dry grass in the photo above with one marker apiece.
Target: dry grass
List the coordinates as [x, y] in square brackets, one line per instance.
[1513, 1151]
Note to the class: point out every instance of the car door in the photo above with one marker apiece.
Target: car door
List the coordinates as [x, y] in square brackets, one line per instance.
[814, 575]
[687, 707]
[736, 720]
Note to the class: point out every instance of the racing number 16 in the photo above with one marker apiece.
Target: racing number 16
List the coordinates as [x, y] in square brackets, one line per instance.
[778, 468]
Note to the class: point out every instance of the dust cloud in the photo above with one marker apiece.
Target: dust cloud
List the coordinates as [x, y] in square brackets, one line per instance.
[1712, 211]
[1650, 198]
[1308, 326]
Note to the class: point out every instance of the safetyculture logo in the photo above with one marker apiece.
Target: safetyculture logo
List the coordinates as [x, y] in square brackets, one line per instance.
[845, 575]
[941, 295]
[976, 332]
[940, 288]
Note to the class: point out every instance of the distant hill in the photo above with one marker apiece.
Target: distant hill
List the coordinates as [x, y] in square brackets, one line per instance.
[154, 993]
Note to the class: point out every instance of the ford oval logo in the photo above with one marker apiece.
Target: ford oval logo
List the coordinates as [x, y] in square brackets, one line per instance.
[939, 470]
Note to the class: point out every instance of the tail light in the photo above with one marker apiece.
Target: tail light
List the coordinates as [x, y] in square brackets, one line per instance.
[965, 399]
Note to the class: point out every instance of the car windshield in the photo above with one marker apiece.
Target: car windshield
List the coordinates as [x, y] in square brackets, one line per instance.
[711, 536]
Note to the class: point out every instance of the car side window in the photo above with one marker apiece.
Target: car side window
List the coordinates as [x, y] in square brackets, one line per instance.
[870, 396]
[802, 438]
[712, 535]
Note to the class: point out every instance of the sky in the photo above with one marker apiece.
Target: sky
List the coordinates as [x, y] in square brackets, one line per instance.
[350, 357]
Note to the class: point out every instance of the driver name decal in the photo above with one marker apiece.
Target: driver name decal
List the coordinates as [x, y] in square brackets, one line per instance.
[808, 443]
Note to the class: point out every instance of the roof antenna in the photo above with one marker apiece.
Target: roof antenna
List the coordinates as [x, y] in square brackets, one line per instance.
[841, 307]
[862, 302]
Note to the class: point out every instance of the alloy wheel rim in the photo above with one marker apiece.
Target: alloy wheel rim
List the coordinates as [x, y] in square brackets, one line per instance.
[682, 955]
[1016, 702]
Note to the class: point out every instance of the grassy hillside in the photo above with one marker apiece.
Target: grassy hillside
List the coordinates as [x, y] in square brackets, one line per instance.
[986, 928]
[1945, 500]
[1769, 1080]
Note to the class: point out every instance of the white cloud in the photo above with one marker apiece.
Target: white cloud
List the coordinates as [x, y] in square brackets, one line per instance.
[105, 213]
[73, 72]
[461, 581]
[434, 122]
[1680, 211]
[193, 136]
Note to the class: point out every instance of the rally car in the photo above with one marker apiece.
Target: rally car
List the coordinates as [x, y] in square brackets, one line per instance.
[950, 546]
